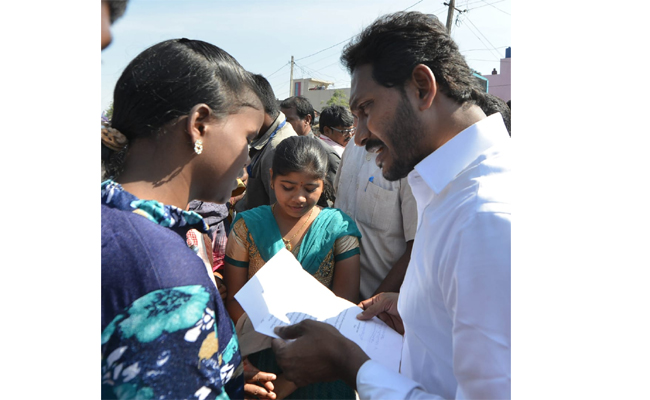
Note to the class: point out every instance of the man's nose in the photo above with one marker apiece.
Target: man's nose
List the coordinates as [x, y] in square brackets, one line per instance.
[362, 133]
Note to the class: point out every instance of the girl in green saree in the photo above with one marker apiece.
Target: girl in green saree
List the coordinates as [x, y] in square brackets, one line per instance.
[324, 240]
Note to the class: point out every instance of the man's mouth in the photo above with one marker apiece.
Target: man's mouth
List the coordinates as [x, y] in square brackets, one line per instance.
[374, 146]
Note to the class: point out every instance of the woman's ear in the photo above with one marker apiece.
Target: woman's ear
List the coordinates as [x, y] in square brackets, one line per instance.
[271, 177]
[197, 121]
[424, 83]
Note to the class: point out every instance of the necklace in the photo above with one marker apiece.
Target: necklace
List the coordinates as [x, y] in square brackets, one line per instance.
[287, 242]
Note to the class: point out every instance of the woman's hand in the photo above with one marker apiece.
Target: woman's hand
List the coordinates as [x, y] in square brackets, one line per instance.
[257, 384]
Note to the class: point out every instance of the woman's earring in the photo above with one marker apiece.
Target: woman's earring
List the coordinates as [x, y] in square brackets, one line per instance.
[198, 147]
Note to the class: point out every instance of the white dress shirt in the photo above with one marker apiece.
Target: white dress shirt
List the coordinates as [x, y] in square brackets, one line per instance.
[455, 299]
[385, 213]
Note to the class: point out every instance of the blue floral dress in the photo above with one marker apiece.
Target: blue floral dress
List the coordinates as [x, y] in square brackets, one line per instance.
[165, 331]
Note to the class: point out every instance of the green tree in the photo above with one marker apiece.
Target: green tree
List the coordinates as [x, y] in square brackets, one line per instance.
[108, 113]
[338, 98]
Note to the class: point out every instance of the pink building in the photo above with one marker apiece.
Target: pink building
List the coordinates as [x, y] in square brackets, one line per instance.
[499, 82]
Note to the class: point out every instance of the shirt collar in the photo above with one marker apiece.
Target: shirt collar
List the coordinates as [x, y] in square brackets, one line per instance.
[443, 165]
[261, 142]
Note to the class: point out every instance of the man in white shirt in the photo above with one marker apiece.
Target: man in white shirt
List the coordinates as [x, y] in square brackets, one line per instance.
[415, 100]
[385, 213]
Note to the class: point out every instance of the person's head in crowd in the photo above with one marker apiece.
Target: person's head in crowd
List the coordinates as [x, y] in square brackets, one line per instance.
[337, 123]
[491, 104]
[184, 112]
[271, 107]
[299, 113]
[408, 79]
[298, 174]
[111, 11]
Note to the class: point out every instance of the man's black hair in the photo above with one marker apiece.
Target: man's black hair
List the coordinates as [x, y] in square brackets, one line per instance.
[394, 44]
[302, 105]
[117, 8]
[334, 116]
[266, 95]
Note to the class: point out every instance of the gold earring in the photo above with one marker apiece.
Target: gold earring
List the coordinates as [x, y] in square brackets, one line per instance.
[198, 147]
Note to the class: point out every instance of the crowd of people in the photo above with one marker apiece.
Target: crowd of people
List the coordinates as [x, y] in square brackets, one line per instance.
[399, 203]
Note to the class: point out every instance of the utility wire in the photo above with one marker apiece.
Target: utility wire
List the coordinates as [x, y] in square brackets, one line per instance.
[491, 4]
[470, 21]
[279, 69]
[348, 39]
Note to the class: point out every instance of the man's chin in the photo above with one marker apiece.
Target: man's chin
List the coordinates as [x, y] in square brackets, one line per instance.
[394, 174]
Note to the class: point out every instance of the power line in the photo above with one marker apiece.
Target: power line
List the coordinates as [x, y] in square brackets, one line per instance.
[490, 4]
[350, 38]
[279, 69]
[470, 21]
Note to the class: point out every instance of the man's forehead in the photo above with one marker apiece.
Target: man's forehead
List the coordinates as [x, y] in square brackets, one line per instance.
[361, 78]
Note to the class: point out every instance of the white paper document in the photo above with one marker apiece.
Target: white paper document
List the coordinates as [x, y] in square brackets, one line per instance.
[282, 293]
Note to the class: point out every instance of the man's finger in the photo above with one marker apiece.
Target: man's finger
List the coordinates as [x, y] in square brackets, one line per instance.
[371, 310]
[289, 332]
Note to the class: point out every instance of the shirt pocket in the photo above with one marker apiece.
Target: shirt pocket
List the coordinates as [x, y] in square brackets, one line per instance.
[378, 207]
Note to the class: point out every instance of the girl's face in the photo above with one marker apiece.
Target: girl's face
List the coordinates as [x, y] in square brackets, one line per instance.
[296, 192]
[226, 153]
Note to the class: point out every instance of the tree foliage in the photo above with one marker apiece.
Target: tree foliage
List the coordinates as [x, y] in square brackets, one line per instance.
[338, 98]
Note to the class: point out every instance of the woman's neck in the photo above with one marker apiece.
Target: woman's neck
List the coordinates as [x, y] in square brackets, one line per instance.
[150, 176]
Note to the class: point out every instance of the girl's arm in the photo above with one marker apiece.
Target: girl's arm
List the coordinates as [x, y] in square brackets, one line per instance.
[345, 282]
[235, 278]
[235, 267]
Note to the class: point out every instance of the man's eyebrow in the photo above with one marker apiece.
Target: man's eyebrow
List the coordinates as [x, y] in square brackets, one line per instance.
[353, 103]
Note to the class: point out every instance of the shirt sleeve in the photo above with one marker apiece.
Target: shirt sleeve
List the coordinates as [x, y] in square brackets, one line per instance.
[237, 245]
[346, 247]
[375, 381]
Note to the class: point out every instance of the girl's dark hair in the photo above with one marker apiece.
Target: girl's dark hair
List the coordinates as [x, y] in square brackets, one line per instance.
[300, 154]
[166, 80]
[304, 154]
[394, 44]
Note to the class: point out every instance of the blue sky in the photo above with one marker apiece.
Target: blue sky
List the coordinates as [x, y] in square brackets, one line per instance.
[263, 35]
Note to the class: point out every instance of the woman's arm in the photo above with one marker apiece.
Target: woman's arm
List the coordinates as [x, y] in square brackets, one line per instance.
[345, 282]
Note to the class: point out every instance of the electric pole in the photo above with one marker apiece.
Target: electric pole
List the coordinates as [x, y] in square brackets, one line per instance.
[291, 79]
[450, 14]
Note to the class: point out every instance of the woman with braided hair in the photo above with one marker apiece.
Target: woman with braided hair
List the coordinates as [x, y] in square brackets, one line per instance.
[184, 112]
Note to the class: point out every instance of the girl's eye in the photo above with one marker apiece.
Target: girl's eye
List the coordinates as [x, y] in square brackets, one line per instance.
[286, 188]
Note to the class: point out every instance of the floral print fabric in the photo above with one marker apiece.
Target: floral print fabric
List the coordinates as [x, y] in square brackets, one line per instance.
[170, 343]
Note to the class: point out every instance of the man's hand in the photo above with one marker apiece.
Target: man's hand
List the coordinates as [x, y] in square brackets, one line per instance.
[319, 353]
[384, 306]
[257, 384]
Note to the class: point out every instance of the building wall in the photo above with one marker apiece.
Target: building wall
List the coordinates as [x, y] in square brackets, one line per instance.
[499, 84]
[319, 98]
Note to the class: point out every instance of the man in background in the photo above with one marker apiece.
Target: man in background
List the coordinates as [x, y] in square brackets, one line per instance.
[300, 114]
[386, 215]
[336, 126]
[274, 130]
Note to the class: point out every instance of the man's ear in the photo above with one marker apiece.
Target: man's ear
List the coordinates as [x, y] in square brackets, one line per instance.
[424, 83]
[197, 121]
[308, 119]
